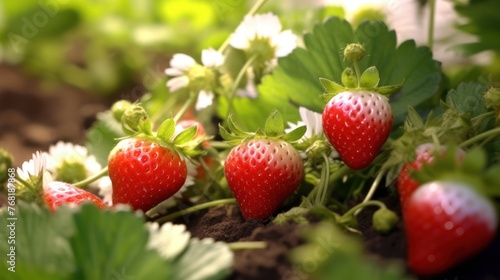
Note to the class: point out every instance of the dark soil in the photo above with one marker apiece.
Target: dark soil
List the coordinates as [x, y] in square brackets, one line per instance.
[34, 115]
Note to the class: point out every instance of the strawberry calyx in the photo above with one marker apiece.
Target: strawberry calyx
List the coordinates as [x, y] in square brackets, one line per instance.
[354, 79]
[137, 124]
[274, 128]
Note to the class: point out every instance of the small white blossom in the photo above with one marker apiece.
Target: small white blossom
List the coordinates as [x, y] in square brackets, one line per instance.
[263, 27]
[33, 168]
[169, 240]
[205, 99]
[187, 72]
[64, 159]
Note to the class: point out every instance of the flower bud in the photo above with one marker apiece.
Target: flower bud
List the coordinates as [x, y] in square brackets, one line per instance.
[384, 220]
[119, 108]
[137, 119]
[354, 52]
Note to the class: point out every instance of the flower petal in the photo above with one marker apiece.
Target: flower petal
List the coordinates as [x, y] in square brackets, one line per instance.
[205, 99]
[211, 58]
[182, 61]
[177, 83]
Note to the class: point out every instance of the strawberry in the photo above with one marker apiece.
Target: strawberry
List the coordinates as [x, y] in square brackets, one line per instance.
[262, 173]
[145, 173]
[357, 123]
[57, 193]
[424, 153]
[446, 222]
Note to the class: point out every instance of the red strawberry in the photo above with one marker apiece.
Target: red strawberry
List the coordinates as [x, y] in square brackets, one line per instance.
[405, 183]
[357, 123]
[446, 222]
[262, 173]
[144, 173]
[57, 193]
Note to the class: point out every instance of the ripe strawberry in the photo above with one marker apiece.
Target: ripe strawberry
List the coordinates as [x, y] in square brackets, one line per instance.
[57, 193]
[262, 173]
[424, 153]
[357, 123]
[144, 173]
[446, 222]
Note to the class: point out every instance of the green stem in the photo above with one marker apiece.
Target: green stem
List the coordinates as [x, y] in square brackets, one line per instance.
[432, 15]
[234, 87]
[479, 137]
[339, 173]
[325, 174]
[255, 8]
[91, 179]
[357, 70]
[355, 209]
[374, 186]
[195, 209]
[243, 245]
[189, 102]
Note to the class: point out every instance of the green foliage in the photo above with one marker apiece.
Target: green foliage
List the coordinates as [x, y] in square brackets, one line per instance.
[483, 21]
[102, 46]
[296, 79]
[88, 243]
[468, 98]
[330, 253]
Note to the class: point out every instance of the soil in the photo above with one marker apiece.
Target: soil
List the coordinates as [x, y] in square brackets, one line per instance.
[34, 115]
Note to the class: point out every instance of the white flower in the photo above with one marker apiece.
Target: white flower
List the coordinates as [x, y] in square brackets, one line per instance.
[188, 73]
[205, 99]
[256, 31]
[105, 187]
[180, 65]
[71, 163]
[169, 240]
[33, 168]
[313, 122]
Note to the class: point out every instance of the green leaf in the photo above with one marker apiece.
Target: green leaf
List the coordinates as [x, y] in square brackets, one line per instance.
[204, 259]
[274, 125]
[41, 248]
[186, 135]
[297, 74]
[349, 78]
[370, 78]
[166, 130]
[389, 90]
[295, 134]
[233, 128]
[468, 98]
[331, 87]
[112, 245]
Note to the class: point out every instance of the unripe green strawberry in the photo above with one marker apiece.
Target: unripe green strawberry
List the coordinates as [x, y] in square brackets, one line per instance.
[143, 173]
[357, 123]
[262, 173]
[57, 193]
